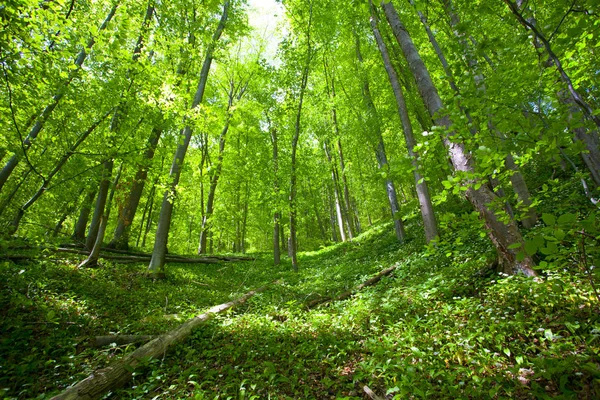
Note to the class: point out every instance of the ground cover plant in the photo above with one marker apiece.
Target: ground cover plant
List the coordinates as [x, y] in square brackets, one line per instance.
[444, 324]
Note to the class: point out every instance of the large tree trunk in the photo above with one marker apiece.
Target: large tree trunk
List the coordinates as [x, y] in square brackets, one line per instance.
[504, 235]
[382, 161]
[518, 182]
[120, 238]
[84, 215]
[119, 373]
[49, 109]
[427, 213]
[157, 263]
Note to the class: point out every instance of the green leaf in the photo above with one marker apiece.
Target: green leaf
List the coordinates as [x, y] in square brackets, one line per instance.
[567, 218]
[531, 247]
[549, 219]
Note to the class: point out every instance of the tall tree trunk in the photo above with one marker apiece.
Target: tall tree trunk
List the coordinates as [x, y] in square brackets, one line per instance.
[214, 180]
[46, 180]
[92, 260]
[343, 203]
[382, 161]
[157, 262]
[84, 215]
[427, 213]
[505, 236]
[277, 214]
[347, 199]
[332, 214]
[336, 194]
[293, 242]
[144, 213]
[48, 110]
[120, 238]
[517, 180]
[100, 204]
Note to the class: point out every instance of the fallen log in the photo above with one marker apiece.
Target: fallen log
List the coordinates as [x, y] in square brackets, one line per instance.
[347, 294]
[125, 258]
[372, 394]
[119, 373]
[119, 340]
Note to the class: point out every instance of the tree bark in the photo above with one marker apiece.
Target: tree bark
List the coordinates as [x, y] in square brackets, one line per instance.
[48, 110]
[119, 373]
[92, 260]
[504, 235]
[427, 213]
[157, 262]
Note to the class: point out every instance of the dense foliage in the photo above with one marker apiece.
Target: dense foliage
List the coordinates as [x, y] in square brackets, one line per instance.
[457, 140]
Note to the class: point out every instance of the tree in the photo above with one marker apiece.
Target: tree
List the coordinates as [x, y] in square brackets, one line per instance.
[164, 222]
[502, 231]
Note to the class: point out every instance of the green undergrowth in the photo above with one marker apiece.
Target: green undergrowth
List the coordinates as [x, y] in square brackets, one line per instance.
[443, 325]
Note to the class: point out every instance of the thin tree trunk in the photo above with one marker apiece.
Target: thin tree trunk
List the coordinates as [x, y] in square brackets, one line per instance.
[69, 210]
[157, 262]
[347, 199]
[48, 110]
[212, 190]
[293, 242]
[13, 193]
[338, 206]
[149, 201]
[518, 182]
[505, 236]
[100, 205]
[373, 124]
[332, 215]
[46, 181]
[277, 214]
[427, 213]
[84, 215]
[573, 100]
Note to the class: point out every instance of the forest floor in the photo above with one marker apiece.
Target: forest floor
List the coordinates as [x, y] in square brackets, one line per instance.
[443, 325]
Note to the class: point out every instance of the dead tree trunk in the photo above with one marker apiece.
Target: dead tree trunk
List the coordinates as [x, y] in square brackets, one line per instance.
[119, 373]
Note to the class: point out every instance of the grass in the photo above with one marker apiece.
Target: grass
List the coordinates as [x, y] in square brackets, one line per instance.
[442, 326]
